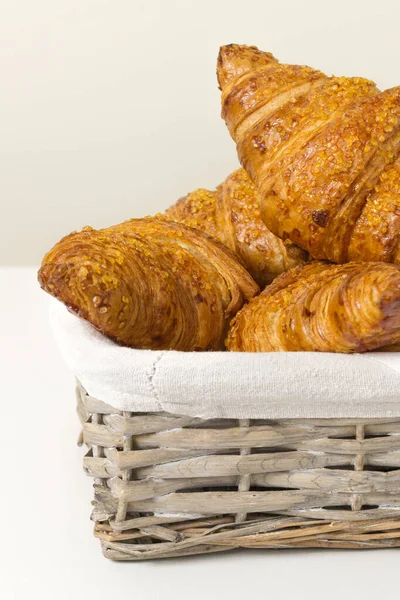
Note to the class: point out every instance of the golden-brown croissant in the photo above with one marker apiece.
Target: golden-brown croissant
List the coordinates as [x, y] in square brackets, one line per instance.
[322, 151]
[231, 214]
[353, 307]
[149, 283]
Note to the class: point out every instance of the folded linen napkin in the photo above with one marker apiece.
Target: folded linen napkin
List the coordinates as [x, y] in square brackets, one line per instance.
[276, 385]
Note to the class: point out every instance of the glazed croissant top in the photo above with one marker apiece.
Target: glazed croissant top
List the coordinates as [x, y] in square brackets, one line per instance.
[353, 307]
[322, 151]
[149, 283]
[231, 214]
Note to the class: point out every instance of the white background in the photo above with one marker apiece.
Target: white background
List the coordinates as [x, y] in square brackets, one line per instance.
[110, 109]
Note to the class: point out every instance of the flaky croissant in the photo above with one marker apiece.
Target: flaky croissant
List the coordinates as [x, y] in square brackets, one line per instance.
[149, 283]
[231, 214]
[353, 307]
[322, 151]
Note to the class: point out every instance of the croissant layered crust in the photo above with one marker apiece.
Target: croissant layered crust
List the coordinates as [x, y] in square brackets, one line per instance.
[320, 307]
[322, 151]
[149, 283]
[231, 214]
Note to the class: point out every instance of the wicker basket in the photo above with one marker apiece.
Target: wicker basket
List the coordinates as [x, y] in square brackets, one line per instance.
[169, 485]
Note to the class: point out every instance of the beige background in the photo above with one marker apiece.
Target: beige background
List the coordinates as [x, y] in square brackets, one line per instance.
[110, 109]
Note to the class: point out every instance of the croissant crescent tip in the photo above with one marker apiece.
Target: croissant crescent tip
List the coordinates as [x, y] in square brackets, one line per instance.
[234, 60]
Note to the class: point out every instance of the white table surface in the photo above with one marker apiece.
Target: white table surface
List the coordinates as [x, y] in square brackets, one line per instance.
[47, 549]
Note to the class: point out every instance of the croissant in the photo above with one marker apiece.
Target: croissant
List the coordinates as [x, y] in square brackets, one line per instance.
[149, 283]
[231, 214]
[320, 307]
[322, 151]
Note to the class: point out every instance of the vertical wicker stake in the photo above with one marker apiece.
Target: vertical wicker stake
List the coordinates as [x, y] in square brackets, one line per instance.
[126, 475]
[97, 451]
[356, 499]
[244, 480]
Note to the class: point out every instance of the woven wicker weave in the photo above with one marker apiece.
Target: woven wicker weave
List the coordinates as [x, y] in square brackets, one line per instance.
[168, 485]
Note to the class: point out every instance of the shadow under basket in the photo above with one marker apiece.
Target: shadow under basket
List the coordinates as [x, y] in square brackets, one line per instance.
[168, 485]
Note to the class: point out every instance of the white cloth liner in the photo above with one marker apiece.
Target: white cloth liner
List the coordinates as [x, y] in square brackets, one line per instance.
[281, 385]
